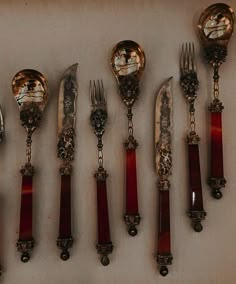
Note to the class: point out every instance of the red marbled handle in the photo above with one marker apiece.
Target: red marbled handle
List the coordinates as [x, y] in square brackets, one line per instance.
[65, 240]
[164, 256]
[196, 211]
[216, 180]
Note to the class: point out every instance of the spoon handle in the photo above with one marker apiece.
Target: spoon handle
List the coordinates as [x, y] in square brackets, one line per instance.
[65, 240]
[132, 217]
[26, 241]
[216, 180]
[164, 256]
[104, 244]
[196, 211]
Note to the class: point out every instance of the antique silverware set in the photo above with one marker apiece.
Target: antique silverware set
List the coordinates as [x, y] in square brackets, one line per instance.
[127, 62]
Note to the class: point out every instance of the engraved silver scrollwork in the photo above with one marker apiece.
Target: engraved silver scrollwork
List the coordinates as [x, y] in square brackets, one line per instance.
[163, 147]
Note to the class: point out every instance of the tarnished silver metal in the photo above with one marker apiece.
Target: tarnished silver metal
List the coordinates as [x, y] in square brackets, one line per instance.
[67, 115]
[163, 131]
[98, 117]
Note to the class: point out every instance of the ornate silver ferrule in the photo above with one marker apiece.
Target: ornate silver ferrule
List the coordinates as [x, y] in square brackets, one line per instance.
[25, 247]
[217, 182]
[64, 244]
[164, 259]
[197, 215]
[104, 250]
[132, 221]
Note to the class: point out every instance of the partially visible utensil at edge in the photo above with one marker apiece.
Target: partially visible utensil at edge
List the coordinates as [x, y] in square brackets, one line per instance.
[128, 63]
[30, 91]
[215, 28]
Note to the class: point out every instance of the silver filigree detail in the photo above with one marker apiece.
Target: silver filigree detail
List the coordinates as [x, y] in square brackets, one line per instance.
[65, 170]
[98, 121]
[193, 138]
[129, 89]
[131, 143]
[216, 106]
[66, 145]
[217, 183]
[101, 174]
[27, 170]
[164, 259]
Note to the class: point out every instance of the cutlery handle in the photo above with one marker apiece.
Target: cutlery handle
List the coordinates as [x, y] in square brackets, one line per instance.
[26, 242]
[104, 244]
[196, 211]
[65, 240]
[216, 180]
[132, 217]
[164, 256]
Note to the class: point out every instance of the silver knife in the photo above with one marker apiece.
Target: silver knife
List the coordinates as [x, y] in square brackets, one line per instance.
[163, 165]
[66, 148]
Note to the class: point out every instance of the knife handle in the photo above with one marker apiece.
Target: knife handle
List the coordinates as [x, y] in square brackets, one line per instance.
[216, 180]
[196, 211]
[104, 244]
[132, 217]
[26, 242]
[164, 256]
[65, 240]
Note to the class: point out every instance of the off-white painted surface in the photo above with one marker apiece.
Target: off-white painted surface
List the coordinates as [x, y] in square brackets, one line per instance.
[51, 35]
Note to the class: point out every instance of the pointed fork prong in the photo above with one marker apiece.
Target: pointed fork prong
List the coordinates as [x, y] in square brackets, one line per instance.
[2, 127]
[92, 94]
[182, 60]
[194, 59]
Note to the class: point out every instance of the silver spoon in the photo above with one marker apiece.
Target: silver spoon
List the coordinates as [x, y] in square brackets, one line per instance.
[31, 94]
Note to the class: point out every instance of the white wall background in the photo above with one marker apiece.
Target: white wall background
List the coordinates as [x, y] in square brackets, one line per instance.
[49, 36]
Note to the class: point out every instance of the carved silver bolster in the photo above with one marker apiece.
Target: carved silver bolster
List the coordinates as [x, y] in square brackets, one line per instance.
[27, 170]
[25, 247]
[64, 244]
[164, 184]
[217, 183]
[131, 143]
[30, 117]
[164, 259]
[101, 174]
[129, 89]
[65, 170]
[216, 106]
[193, 138]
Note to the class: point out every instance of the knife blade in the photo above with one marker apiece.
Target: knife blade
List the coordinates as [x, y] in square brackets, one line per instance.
[163, 165]
[66, 148]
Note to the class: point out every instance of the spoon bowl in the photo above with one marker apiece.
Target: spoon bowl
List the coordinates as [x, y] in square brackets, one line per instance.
[216, 25]
[127, 58]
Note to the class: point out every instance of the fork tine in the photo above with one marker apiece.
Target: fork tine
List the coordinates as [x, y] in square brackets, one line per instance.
[182, 60]
[194, 59]
[93, 93]
[103, 99]
[190, 57]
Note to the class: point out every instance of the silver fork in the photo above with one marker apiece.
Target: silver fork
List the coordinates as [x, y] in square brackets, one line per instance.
[189, 82]
[98, 119]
